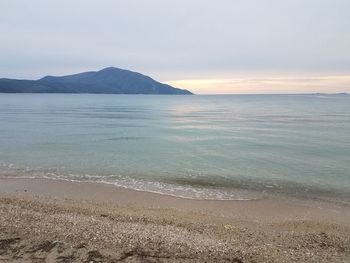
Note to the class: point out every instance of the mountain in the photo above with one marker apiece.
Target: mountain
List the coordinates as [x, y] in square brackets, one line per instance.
[106, 81]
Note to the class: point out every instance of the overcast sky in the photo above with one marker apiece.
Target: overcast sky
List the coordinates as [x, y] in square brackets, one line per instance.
[221, 46]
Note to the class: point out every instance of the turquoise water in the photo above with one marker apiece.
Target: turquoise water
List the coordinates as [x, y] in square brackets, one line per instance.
[207, 147]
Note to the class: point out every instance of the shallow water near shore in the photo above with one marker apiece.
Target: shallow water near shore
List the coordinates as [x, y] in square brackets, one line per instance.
[203, 147]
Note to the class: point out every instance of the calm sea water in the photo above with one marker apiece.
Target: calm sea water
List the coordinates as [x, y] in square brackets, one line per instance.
[210, 147]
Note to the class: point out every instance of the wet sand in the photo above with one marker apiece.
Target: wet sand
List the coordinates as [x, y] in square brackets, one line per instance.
[45, 220]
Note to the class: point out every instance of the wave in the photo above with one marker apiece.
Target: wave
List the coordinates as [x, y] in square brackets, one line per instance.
[198, 188]
[183, 191]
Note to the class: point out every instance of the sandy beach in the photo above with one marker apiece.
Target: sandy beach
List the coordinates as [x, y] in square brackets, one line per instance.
[46, 220]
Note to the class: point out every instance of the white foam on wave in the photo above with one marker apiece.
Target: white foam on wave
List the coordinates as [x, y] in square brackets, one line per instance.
[182, 191]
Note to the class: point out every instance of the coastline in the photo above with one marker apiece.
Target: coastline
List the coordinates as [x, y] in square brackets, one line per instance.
[116, 223]
[269, 209]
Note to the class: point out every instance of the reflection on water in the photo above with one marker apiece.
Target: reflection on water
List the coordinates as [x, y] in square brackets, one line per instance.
[213, 146]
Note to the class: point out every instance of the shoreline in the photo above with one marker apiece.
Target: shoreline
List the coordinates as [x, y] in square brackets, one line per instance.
[83, 221]
[268, 209]
[195, 192]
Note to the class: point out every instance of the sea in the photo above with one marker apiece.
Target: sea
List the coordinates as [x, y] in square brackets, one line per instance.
[214, 147]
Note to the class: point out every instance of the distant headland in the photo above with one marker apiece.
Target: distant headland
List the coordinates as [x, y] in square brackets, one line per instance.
[109, 80]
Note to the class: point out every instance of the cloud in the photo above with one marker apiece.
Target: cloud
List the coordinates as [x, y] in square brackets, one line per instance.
[253, 84]
[181, 39]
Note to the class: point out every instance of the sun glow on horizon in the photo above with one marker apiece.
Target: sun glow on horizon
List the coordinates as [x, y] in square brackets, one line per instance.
[266, 84]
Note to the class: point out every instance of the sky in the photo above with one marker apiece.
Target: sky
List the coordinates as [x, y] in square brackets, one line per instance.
[207, 46]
